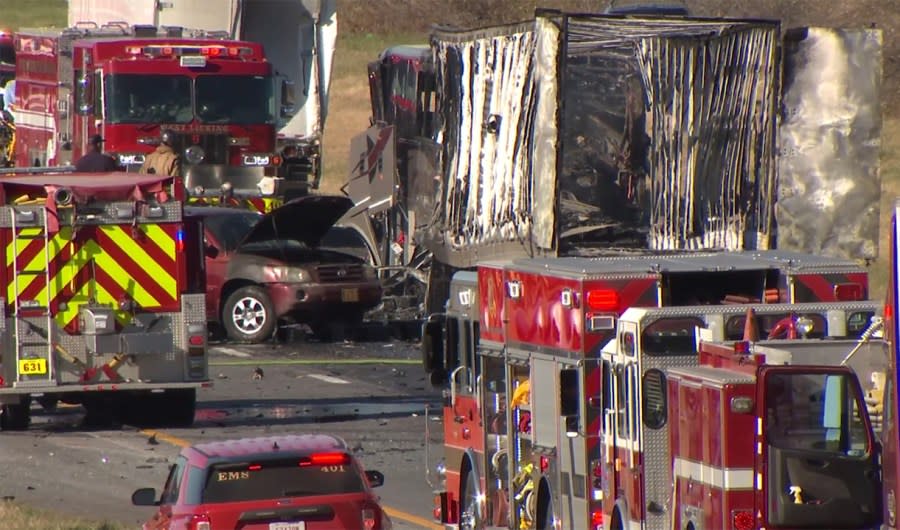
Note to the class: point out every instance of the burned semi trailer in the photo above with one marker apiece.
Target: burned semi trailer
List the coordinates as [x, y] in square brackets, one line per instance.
[584, 135]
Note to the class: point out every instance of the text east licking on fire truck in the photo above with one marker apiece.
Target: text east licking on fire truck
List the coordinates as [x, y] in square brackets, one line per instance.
[131, 83]
[575, 385]
[104, 298]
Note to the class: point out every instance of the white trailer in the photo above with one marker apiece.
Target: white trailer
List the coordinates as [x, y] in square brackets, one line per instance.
[298, 36]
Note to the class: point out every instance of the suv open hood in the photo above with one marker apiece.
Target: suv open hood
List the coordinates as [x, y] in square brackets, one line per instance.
[305, 219]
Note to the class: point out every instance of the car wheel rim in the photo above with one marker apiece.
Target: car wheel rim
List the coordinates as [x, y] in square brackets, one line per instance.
[249, 315]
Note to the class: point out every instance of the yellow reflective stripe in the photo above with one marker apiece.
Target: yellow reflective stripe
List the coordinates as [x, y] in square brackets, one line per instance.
[140, 256]
[21, 244]
[120, 275]
[57, 242]
[162, 239]
[83, 296]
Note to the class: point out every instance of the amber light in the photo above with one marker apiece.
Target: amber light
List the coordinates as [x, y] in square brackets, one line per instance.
[603, 300]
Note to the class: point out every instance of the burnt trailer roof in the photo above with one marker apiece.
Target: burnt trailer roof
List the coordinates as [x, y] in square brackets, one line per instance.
[585, 132]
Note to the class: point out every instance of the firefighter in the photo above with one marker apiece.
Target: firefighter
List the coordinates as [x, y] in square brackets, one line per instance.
[164, 160]
[95, 160]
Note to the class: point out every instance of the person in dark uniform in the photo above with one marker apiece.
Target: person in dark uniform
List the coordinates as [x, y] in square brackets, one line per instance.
[95, 160]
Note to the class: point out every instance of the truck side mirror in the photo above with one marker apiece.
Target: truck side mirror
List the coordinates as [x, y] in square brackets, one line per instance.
[288, 99]
[376, 478]
[433, 344]
[144, 497]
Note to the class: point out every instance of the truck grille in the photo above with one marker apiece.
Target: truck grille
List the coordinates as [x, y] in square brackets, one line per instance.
[340, 273]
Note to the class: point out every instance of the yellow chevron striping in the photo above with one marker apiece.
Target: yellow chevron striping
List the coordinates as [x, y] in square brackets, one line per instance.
[83, 296]
[22, 242]
[57, 243]
[120, 275]
[162, 238]
[152, 267]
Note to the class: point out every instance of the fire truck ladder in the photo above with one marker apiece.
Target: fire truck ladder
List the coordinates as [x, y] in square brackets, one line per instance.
[33, 321]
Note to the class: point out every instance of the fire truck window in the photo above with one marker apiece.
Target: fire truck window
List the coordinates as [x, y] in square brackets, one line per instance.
[633, 382]
[134, 98]
[621, 411]
[568, 392]
[814, 412]
[654, 399]
[235, 99]
[607, 386]
[452, 348]
[626, 343]
[670, 336]
[734, 326]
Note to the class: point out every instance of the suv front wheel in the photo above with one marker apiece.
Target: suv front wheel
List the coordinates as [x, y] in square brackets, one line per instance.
[248, 315]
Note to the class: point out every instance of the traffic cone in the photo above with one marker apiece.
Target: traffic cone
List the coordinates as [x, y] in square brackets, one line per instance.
[751, 329]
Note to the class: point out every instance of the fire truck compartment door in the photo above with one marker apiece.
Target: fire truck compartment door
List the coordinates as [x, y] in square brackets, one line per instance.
[544, 402]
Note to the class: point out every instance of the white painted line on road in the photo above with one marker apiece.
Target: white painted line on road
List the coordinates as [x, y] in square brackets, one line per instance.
[329, 379]
[231, 351]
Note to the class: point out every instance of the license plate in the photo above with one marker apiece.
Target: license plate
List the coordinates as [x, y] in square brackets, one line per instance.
[288, 526]
[32, 366]
[350, 295]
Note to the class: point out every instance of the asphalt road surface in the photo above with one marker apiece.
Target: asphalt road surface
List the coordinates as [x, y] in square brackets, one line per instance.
[373, 394]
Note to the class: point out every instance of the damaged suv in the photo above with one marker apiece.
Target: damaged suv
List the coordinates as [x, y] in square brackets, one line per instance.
[262, 269]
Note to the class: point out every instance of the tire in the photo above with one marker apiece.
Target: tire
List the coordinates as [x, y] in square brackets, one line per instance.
[545, 514]
[248, 315]
[16, 416]
[469, 514]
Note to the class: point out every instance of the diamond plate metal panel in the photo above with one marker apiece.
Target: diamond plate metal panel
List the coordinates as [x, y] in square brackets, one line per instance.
[657, 460]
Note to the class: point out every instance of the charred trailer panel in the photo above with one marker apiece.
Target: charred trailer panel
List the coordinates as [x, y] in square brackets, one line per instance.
[830, 140]
[547, 143]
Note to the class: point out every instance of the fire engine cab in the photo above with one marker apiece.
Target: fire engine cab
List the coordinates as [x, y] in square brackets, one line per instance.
[785, 442]
[130, 83]
[534, 397]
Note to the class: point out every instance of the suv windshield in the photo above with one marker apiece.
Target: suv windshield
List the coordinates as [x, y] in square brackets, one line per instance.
[271, 479]
[235, 99]
[230, 229]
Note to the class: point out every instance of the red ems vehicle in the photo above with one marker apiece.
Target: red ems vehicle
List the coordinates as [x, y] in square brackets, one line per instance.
[128, 84]
[290, 482]
[521, 347]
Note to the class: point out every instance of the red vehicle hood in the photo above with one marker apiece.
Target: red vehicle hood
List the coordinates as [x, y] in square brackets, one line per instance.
[338, 511]
[305, 219]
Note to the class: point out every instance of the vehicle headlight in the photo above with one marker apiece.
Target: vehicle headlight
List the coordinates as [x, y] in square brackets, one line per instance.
[256, 160]
[130, 159]
[284, 273]
[194, 154]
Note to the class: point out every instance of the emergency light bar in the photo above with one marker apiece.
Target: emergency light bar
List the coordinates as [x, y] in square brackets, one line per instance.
[156, 50]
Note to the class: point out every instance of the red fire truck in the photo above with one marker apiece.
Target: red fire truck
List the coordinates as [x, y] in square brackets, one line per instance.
[130, 83]
[785, 441]
[521, 344]
[103, 298]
